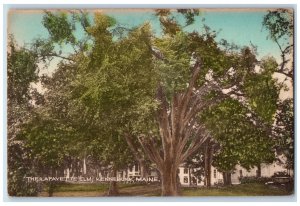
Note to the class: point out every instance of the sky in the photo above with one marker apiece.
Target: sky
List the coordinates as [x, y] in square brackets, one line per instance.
[238, 26]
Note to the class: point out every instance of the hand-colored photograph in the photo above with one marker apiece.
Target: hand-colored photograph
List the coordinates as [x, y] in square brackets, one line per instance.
[150, 102]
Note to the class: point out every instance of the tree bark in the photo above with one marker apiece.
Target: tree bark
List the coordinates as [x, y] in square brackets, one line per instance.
[209, 162]
[208, 153]
[169, 180]
[180, 133]
[113, 187]
[258, 174]
[206, 166]
[190, 177]
[227, 178]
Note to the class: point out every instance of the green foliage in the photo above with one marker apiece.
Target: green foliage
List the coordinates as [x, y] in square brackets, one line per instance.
[189, 15]
[279, 23]
[58, 26]
[284, 131]
[169, 20]
[117, 83]
[22, 70]
[263, 94]
[240, 141]
[47, 141]
[119, 86]
[20, 166]
[174, 73]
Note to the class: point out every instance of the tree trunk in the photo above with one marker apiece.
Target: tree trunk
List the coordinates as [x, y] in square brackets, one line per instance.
[113, 187]
[51, 187]
[190, 177]
[258, 173]
[143, 168]
[169, 180]
[209, 162]
[227, 178]
[206, 166]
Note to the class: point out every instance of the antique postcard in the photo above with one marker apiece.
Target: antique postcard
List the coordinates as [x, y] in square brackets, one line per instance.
[150, 102]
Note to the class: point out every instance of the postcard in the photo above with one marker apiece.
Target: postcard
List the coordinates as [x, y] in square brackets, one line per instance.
[150, 102]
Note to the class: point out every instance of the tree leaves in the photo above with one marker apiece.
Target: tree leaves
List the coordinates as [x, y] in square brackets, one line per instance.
[59, 27]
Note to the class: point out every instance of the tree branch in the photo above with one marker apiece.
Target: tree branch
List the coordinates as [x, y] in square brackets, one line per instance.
[133, 147]
[59, 56]
[163, 120]
[151, 149]
[195, 145]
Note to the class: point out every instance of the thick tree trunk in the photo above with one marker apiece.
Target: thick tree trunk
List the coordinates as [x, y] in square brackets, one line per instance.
[169, 180]
[180, 133]
[113, 187]
[227, 178]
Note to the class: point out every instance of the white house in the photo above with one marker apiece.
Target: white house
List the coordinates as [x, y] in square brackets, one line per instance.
[187, 178]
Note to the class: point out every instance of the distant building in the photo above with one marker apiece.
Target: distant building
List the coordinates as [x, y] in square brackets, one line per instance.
[185, 175]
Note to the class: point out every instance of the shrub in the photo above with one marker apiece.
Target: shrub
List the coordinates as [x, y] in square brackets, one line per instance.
[254, 179]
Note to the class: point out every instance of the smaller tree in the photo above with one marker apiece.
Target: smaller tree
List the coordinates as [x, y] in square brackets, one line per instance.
[240, 141]
[200, 163]
[280, 24]
[284, 132]
[21, 73]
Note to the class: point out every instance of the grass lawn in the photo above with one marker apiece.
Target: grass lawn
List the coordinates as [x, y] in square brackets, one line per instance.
[98, 190]
[251, 189]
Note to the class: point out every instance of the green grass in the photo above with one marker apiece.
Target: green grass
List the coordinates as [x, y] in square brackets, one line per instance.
[251, 189]
[98, 190]
[67, 187]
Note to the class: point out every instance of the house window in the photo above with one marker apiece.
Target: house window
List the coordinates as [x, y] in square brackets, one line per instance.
[130, 168]
[241, 173]
[185, 180]
[185, 171]
[215, 173]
